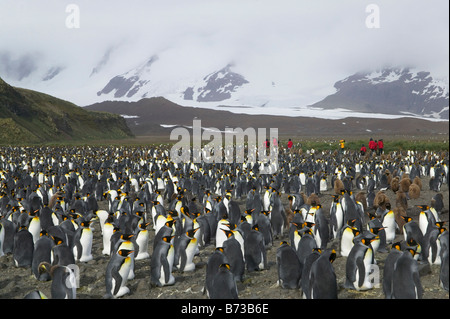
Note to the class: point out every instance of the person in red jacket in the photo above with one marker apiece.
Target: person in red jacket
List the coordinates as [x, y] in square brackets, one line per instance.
[380, 146]
[290, 144]
[363, 150]
[372, 144]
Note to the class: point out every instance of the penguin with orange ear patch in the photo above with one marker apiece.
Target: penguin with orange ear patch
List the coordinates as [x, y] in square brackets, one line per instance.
[117, 273]
[411, 231]
[223, 284]
[389, 266]
[289, 267]
[323, 283]
[406, 282]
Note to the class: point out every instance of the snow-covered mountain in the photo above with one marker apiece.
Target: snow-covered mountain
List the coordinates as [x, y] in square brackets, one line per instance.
[215, 87]
[383, 93]
[391, 91]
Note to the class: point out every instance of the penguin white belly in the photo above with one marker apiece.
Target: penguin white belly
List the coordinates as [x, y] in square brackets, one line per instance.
[297, 238]
[389, 225]
[190, 253]
[367, 284]
[124, 273]
[129, 246]
[142, 242]
[437, 260]
[86, 243]
[317, 238]
[261, 264]
[55, 219]
[160, 221]
[2, 239]
[107, 233]
[72, 283]
[35, 228]
[170, 260]
[102, 216]
[346, 242]
[323, 185]
[423, 223]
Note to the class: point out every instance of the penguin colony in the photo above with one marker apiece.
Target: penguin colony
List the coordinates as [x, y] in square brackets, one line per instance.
[145, 207]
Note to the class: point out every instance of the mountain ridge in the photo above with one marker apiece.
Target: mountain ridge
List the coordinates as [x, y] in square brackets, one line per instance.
[29, 116]
[157, 116]
[391, 91]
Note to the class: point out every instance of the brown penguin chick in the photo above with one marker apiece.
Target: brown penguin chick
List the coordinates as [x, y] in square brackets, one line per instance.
[389, 176]
[313, 200]
[414, 191]
[418, 182]
[361, 197]
[338, 186]
[380, 200]
[401, 200]
[398, 213]
[404, 184]
[395, 184]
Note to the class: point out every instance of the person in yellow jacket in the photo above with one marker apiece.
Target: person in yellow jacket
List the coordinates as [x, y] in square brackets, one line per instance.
[342, 145]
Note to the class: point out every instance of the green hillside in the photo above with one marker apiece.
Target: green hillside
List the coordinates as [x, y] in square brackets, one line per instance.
[30, 117]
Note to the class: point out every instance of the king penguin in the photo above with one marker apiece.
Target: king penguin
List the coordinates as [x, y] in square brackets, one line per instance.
[216, 259]
[233, 250]
[42, 253]
[406, 279]
[117, 273]
[444, 273]
[34, 225]
[161, 263]
[306, 270]
[255, 251]
[389, 225]
[389, 265]
[348, 234]
[411, 231]
[142, 239]
[107, 232]
[289, 267]
[359, 265]
[64, 281]
[185, 247]
[23, 248]
[322, 279]
[223, 284]
[82, 249]
[336, 217]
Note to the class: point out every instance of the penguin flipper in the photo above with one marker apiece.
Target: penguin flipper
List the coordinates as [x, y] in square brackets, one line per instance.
[418, 284]
[165, 265]
[118, 278]
[362, 271]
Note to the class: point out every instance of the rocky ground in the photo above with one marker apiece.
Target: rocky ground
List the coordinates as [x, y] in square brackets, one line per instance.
[15, 283]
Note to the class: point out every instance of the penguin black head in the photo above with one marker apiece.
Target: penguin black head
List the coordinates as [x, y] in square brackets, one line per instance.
[225, 266]
[423, 207]
[376, 230]
[167, 239]
[332, 257]
[126, 236]
[124, 252]
[397, 246]
[412, 251]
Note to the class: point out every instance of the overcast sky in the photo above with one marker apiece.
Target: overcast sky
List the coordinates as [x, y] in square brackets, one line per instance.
[312, 42]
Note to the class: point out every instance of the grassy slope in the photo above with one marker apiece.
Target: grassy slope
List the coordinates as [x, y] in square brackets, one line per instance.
[29, 117]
